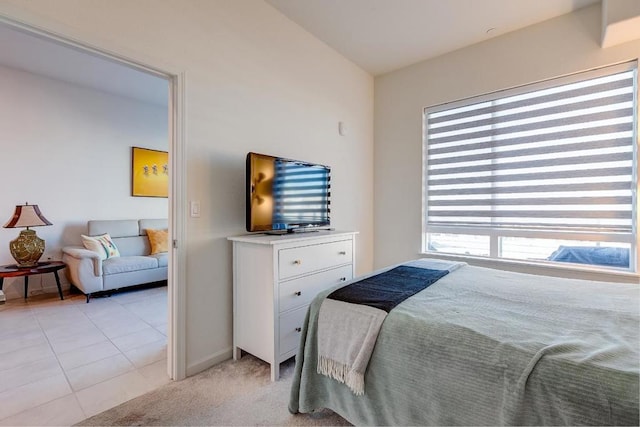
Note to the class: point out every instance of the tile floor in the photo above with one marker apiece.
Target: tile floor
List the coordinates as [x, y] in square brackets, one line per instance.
[64, 361]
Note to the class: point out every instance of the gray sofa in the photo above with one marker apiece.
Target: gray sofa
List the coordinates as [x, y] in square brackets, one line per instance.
[134, 266]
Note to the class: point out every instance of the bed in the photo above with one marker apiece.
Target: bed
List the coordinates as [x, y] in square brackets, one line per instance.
[490, 347]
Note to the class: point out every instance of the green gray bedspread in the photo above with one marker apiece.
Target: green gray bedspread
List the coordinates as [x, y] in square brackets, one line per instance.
[490, 347]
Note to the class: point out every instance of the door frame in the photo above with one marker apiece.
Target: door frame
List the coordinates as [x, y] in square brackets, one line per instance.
[176, 280]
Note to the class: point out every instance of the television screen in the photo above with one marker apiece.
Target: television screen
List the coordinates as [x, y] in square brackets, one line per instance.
[285, 194]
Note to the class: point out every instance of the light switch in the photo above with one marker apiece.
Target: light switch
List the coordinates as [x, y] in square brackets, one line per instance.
[195, 209]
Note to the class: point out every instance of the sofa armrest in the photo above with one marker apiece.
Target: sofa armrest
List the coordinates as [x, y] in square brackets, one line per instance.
[81, 253]
[84, 269]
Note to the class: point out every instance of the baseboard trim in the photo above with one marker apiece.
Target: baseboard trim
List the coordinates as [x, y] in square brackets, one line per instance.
[16, 290]
[209, 361]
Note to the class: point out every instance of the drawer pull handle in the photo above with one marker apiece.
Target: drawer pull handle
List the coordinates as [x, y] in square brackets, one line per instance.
[298, 293]
[297, 261]
[298, 329]
[342, 253]
[343, 279]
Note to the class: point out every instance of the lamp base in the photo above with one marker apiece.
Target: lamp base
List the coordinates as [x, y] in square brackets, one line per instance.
[27, 248]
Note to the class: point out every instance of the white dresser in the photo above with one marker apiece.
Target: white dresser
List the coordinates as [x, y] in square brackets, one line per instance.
[274, 280]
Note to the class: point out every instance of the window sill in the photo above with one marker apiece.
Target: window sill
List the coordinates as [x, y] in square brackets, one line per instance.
[571, 271]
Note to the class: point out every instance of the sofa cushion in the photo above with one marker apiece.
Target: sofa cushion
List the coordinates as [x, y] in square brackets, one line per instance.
[131, 246]
[163, 259]
[103, 245]
[127, 264]
[159, 240]
[115, 227]
[155, 224]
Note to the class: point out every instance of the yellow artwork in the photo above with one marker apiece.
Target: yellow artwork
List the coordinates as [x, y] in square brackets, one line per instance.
[149, 173]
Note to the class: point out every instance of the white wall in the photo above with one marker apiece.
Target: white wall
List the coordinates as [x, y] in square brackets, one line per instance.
[255, 82]
[560, 46]
[67, 149]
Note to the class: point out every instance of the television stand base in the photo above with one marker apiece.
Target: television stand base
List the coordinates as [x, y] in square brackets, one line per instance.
[302, 230]
[296, 230]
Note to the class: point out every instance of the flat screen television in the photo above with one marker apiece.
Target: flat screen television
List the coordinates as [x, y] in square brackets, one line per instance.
[284, 195]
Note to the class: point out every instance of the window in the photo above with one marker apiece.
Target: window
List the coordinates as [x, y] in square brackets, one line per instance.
[546, 172]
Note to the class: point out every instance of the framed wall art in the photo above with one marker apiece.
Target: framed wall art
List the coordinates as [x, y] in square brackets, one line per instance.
[149, 173]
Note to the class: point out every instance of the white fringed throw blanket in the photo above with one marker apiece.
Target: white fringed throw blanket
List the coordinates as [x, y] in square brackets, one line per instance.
[346, 338]
[348, 326]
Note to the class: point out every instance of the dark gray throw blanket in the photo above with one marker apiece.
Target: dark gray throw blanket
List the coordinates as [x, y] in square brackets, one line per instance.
[350, 318]
[388, 289]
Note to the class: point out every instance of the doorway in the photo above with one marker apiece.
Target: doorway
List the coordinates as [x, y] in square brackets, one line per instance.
[176, 363]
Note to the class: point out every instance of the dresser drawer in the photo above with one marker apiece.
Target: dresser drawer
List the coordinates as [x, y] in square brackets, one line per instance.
[301, 291]
[290, 328]
[306, 259]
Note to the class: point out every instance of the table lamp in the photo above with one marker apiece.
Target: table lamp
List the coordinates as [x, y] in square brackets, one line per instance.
[28, 247]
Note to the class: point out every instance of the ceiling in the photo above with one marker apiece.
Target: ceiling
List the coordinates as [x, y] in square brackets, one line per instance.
[28, 52]
[384, 35]
[378, 35]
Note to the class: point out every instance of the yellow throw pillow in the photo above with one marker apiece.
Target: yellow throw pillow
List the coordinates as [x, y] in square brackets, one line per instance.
[159, 240]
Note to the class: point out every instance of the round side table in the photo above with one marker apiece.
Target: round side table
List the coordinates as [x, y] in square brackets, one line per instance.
[12, 270]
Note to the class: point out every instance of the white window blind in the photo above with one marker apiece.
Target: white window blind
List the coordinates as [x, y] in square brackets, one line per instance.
[543, 157]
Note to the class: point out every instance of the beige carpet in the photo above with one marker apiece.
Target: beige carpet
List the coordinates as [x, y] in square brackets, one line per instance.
[231, 393]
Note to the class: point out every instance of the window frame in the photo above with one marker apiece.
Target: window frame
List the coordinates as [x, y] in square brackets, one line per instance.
[494, 234]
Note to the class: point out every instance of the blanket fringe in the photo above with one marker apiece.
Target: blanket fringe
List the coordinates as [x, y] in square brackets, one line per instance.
[341, 373]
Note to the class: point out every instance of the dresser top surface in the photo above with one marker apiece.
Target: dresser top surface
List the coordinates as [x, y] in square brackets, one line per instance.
[270, 239]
